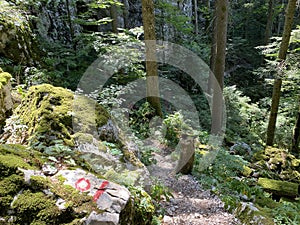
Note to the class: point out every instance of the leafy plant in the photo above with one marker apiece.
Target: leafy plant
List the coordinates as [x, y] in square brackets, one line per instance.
[160, 191]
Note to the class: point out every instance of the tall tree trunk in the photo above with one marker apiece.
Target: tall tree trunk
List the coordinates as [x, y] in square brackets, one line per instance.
[296, 134]
[219, 64]
[269, 24]
[151, 63]
[72, 34]
[196, 16]
[126, 13]
[114, 17]
[289, 17]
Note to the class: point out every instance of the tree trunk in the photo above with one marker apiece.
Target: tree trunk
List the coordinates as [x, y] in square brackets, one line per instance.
[290, 11]
[114, 17]
[274, 111]
[151, 63]
[196, 16]
[219, 64]
[296, 134]
[126, 13]
[269, 25]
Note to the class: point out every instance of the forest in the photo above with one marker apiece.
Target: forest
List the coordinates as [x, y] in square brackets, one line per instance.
[151, 112]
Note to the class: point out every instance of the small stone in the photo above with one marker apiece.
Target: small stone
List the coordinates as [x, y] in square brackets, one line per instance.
[48, 169]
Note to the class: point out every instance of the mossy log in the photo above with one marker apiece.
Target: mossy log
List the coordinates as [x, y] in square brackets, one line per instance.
[280, 188]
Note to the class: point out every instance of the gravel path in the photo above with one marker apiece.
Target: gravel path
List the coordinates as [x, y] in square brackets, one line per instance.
[191, 205]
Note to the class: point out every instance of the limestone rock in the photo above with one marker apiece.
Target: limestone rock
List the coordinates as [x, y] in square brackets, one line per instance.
[69, 197]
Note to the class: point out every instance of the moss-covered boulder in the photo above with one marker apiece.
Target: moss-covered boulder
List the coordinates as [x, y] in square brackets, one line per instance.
[6, 103]
[249, 213]
[278, 164]
[16, 38]
[47, 112]
[74, 196]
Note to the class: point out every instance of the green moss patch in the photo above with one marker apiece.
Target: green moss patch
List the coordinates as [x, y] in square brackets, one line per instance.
[48, 113]
[4, 78]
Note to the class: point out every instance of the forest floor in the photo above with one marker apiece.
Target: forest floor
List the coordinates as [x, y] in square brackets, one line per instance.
[191, 204]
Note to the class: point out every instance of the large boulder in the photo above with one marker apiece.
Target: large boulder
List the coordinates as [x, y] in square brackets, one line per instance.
[28, 195]
[47, 113]
[6, 103]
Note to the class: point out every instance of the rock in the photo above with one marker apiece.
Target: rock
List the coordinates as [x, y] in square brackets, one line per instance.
[6, 103]
[17, 41]
[69, 197]
[248, 213]
[53, 108]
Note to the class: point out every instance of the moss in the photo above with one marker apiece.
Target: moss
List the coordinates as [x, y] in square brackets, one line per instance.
[48, 113]
[30, 206]
[253, 214]
[14, 156]
[4, 78]
[74, 198]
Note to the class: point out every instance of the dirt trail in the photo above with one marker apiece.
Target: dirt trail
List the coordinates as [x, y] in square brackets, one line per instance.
[191, 205]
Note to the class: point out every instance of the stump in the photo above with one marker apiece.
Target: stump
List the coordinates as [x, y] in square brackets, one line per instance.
[187, 155]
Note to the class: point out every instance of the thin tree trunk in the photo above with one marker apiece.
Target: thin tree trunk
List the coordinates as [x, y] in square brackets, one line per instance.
[219, 65]
[126, 14]
[274, 111]
[290, 11]
[196, 16]
[296, 134]
[70, 23]
[114, 17]
[151, 63]
[269, 25]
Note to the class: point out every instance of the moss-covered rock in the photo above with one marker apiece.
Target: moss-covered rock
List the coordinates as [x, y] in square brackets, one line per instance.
[248, 213]
[48, 114]
[27, 196]
[6, 103]
[278, 164]
[16, 38]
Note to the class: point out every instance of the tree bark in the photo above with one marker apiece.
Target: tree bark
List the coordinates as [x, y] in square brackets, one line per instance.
[290, 11]
[196, 16]
[114, 17]
[151, 62]
[126, 14]
[296, 134]
[219, 64]
[269, 24]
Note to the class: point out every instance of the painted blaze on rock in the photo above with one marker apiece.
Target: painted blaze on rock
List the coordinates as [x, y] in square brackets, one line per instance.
[109, 197]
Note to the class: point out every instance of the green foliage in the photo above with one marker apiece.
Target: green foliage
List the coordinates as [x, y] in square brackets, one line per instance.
[142, 203]
[245, 120]
[222, 178]
[174, 125]
[140, 119]
[287, 213]
[146, 155]
[113, 149]
[160, 192]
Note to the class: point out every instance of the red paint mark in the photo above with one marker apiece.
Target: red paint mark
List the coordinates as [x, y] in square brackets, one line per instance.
[101, 190]
[83, 184]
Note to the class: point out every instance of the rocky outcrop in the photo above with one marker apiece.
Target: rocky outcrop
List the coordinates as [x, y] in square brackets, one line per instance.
[64, 168]
[28, 195]
[6, 103]
[17, 41]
